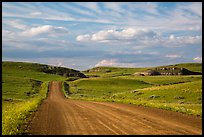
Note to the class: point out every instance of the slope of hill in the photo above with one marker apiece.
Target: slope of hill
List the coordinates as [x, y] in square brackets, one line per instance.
[111, 71]
[24, 86]
[182, 93]
[35, 67]
[188, 69]
[177, 93]
[196, 67]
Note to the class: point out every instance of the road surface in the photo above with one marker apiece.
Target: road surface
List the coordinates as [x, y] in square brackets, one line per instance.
[58, 115]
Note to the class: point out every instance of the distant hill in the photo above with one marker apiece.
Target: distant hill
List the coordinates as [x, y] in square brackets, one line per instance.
[167, 70]
[196, 67]
[66, 72]
[187, 69]
[111, 71]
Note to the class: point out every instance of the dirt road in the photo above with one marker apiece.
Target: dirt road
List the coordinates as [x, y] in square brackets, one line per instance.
[58, 115]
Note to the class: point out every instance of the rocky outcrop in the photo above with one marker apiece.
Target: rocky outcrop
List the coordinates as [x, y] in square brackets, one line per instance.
[175, 71]
[98, 69]
[66, 72]
[167, 71]
[147, 73]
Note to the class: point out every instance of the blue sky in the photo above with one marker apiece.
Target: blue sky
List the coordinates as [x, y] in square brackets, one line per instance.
[82, 35]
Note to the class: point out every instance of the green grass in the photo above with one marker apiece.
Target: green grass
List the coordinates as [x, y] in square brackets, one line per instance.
[165, 80]
[15, 113]
[117, 71]
[197, 67]
[23, 89]
[30, 74]
[65, 89]
[112, 71]
[103, 87]
[176, 93]
[12, 87]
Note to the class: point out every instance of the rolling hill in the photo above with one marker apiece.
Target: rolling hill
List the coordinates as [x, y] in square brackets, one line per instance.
[118, 71]
[24, 86]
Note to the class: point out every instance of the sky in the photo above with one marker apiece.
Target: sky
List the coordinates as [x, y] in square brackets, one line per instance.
[83, 35]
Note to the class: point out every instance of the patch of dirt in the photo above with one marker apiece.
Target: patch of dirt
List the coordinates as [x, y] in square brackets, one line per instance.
[58, 115]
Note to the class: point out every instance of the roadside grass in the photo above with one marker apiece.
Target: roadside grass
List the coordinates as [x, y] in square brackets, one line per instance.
[65, 89]
[23, 89]
[16, 111]
[176, 93]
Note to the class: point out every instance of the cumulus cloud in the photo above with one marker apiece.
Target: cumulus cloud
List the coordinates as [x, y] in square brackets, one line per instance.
[182, 40]
[86, 37]
[198, 59]
[105, 62]
[114, 62]
[118, 35]
[45, 29]
[140, 38]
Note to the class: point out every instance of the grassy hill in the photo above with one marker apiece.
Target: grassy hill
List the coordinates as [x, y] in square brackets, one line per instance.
[39, 68]
[176, 93]
[24, 86]
[196, 67]
[173, 92]
[111, 71]
[118, 71]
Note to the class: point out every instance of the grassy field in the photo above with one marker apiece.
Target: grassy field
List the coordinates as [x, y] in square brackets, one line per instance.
[176, 93]
[23, 89]
[15, 111]
[112, 71]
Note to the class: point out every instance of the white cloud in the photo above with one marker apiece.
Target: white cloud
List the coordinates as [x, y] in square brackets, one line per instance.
[140, 38]
[171, 37]
[105, 62]
[6, 34]
[15, 24]
[34, 44]
[115, 63]
[45, 29]
[172, 56]
[195, 28]
[182, 40]
[91, 6]
[175, 19]
[85, 37]
[37, 13]
[118, 35]
[195, 7]
[198, 59]
[115, 6]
